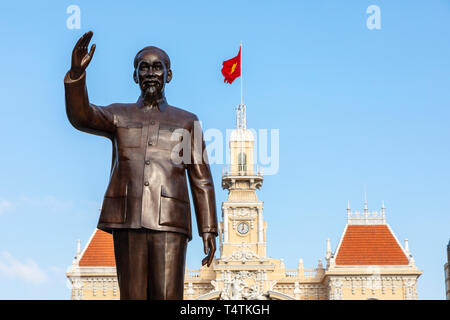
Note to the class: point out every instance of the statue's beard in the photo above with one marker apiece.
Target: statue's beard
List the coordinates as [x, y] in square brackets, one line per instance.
[152, 93]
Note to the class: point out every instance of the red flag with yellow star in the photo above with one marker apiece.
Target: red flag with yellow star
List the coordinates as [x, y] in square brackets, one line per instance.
[231, 69]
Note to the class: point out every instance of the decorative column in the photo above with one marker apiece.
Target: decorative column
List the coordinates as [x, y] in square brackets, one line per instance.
[260, 226]
[409, 287]
[301, 270]
[190, 291]
[336, 289]
[114, 288]
[225, 225]
[297, 291]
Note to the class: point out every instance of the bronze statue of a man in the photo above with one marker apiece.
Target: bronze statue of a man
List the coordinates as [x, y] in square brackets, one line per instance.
[146, 206]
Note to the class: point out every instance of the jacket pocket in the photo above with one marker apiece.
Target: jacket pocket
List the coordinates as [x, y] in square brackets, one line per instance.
[117, 186]
[173, 210]
[114, 210]
[169, 136]
[129, 135]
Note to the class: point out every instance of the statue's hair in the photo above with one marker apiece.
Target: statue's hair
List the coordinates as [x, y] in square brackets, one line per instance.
[159, 51]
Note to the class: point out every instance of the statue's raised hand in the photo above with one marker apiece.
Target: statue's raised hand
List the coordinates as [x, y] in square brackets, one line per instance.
[80, 55]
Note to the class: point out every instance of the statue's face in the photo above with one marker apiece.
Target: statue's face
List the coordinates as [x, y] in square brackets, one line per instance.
[151, 74]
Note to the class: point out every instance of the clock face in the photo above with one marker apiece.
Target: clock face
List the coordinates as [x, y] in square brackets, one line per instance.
[243, 228]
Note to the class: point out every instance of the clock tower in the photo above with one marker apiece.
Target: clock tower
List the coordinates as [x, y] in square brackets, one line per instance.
[242, 230]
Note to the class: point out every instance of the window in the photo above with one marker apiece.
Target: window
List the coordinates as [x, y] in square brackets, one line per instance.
[242, 162]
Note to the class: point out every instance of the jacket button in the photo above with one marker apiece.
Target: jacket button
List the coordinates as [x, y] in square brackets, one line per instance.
[147, 162]
[146, 183]
[150, 143]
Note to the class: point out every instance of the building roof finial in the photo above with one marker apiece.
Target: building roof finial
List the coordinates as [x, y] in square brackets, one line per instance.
[78, 248]
[366, 209]
[319, 264]
[77, 255]
[328, 253]
[241, 119]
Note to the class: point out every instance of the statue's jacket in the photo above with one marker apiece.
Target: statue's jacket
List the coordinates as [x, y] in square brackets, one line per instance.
[147, 188]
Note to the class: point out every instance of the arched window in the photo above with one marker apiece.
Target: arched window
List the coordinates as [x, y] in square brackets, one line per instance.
[242, 162]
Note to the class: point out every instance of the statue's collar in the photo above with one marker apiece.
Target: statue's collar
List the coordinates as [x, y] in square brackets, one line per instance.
[160, 104]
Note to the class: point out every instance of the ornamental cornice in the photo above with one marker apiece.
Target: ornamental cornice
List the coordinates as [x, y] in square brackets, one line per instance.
[342, 270]
[243, 256]
[243, 244]
[227, 205]
[402, 275]
[240, 267]
[92, 271]
[372, 276]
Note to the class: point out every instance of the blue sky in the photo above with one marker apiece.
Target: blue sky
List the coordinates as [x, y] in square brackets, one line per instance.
[355, 107]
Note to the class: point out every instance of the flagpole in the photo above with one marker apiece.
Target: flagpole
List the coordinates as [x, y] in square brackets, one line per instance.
[242, 112]
[242, 98]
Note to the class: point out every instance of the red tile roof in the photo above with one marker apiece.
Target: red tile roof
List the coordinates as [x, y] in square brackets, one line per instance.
[99, 251]
[370, 245]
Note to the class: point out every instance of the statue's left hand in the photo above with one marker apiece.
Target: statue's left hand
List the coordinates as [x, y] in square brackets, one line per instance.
[209, 245]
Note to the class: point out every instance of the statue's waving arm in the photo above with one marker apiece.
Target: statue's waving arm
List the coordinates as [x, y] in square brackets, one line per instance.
[83, 115]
